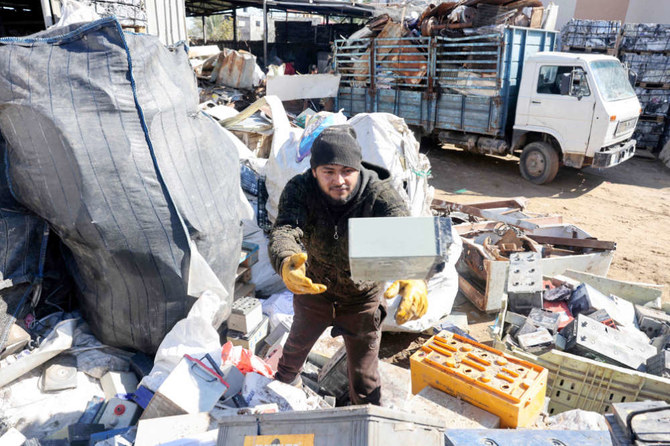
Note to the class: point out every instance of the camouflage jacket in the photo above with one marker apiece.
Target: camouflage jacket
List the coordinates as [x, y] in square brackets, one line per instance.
[305, 223]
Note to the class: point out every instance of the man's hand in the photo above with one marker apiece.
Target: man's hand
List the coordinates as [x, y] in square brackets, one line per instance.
[293, 275]
[414, 302]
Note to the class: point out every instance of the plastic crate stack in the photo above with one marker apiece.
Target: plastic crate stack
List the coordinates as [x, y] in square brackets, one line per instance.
[591, 36]
[645, 48]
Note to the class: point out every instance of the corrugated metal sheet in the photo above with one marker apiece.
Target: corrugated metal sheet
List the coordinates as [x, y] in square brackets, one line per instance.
[167, 20]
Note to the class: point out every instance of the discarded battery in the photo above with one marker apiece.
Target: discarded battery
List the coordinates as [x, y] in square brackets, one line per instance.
[504, 385]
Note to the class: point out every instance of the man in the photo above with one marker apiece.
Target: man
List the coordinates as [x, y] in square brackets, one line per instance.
[313, 212]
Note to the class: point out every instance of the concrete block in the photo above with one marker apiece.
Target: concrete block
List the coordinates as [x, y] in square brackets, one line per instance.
[456, 413]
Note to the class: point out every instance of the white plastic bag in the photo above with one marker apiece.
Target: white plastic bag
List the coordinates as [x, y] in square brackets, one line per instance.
[73, 11]
[577, 419]
[194, 335]
[258, 389]
[388, 142]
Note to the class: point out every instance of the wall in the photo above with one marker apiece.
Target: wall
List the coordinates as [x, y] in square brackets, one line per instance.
[601, 9]
[167, 20]
[628, 11]
[648, 11]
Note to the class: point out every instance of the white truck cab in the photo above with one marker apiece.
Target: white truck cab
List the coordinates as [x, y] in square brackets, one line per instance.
[573, 109]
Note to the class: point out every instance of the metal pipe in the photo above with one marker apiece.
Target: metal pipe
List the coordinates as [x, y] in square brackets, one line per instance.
[235, 26]
[204, 30]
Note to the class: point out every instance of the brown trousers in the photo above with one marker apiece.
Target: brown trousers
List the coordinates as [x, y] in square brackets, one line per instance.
[360, 325]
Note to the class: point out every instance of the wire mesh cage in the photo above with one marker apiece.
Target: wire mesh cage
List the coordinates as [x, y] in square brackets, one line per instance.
[649, 67]
[650, 37]
[596, 34]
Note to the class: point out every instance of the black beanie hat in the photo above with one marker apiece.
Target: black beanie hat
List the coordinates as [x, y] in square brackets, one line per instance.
[337, 144]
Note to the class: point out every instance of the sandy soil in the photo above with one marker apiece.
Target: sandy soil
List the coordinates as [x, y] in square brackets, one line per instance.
[628, 204]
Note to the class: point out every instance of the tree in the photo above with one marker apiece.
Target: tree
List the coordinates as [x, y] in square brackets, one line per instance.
[219, 27]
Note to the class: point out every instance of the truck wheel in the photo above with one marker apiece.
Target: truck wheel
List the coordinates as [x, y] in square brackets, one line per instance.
[539, 162]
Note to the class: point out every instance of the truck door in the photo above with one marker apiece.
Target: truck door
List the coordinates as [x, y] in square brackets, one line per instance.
[563, 102]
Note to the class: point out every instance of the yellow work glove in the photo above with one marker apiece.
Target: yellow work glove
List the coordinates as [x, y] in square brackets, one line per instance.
[414, 303]
[293, 274]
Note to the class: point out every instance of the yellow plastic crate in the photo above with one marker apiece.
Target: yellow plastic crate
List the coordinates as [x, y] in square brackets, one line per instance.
[506, 386]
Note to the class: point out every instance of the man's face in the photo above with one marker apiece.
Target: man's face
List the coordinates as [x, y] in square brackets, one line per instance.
[336, 181]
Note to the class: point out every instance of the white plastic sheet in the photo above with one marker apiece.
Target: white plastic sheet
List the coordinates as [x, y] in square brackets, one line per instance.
[194, 335]
[59, 340]
[577, 419]
[283, 163]
[388, 142]
[73, 11]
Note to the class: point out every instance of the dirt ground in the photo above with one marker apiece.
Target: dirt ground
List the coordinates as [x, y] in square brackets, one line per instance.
[628, 204]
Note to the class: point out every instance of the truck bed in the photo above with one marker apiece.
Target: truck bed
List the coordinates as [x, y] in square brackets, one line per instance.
[467, 84]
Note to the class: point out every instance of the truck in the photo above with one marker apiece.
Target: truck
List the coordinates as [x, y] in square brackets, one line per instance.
[506, 92]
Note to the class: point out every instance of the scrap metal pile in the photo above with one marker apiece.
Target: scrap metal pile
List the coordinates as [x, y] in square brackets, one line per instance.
[546, 278]
[228, 77]
[397, 50]
[457, 18]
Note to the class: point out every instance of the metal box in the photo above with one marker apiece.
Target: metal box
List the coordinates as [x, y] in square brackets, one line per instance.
[527, 437]
[587, 335]
[499, 383]
[392, 248]
[352, 426]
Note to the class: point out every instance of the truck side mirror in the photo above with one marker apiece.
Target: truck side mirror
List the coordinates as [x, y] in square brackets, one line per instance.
[578, 86]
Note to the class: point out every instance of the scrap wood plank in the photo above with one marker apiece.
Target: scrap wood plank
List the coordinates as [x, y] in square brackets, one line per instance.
[574, 242]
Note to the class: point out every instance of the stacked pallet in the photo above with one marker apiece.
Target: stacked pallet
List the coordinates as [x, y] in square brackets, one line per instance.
[645, 48]
[591, 36]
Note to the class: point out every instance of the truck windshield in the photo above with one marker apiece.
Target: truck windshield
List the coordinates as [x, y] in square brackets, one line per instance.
[612, 80]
